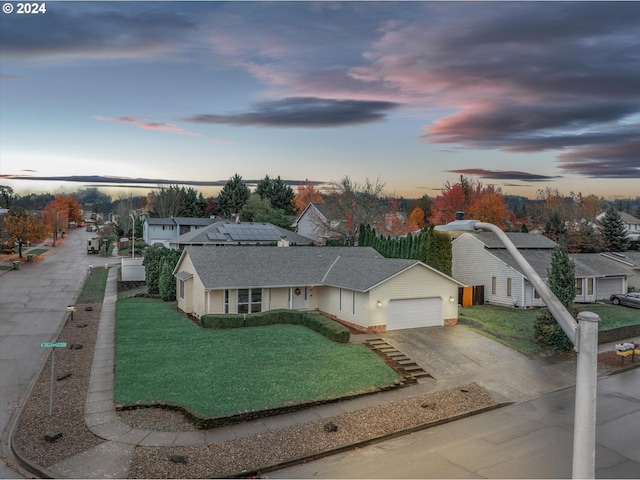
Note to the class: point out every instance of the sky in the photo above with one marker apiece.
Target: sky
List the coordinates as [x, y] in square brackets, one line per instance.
[130, 95]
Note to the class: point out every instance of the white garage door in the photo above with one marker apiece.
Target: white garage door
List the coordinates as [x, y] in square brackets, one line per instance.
[414, 312]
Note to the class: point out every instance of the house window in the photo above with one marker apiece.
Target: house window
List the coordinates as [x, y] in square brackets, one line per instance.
[508, 287]
[578, 286]
[353, 302]
[226, 301]
[536, 294]
[167, 227]
[340, 301]
[181, 288]
[249, 300]
[590, 286]
[494, 281]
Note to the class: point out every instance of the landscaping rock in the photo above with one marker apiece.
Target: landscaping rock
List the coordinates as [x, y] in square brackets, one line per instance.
[75, 346]
[429, 405]
[82, 325]
[88, 309]
[63, 376]
[184, 459]
[53, 436]
[330, 427]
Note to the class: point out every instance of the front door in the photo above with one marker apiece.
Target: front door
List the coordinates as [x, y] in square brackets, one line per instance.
[299, 298]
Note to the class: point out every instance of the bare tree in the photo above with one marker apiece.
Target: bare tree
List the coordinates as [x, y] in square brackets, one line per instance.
[166, 201]
[124, 206]
[349, 205]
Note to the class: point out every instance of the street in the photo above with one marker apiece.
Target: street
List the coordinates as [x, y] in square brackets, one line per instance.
[33, 303]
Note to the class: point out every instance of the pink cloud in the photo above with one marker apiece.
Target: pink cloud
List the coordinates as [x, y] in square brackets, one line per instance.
[162, 127]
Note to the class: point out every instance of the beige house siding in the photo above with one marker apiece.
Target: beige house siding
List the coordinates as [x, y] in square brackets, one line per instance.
[417, 282]
[353, 309]
[279, 298]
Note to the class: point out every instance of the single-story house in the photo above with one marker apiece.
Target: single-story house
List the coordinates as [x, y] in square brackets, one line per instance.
[353, 285]
[482, 259]
[162, 230]
[226, 232]
[631, 261]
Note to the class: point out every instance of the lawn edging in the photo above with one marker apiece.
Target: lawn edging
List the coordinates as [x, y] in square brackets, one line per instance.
[205, 423]
[331, 329]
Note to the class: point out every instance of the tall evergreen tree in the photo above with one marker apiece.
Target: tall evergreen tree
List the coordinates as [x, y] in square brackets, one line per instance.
[232, 197]
[562, 282]
[614, 232]
[277, 192]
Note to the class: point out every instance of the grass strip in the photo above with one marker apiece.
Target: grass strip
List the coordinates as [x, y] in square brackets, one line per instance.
[94, 286]
[163, 356]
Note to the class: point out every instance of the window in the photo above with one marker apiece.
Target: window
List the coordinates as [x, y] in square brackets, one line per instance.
[340, 300]
[167, 227]
[590, 286]
[353, 302]
[181, 288]
[493, 285]
[249, 300]
[226, 301]
[535, 293]
[508, 287]
[578, 286]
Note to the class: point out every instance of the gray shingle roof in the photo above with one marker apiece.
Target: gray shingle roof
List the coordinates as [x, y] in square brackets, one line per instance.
[356, 268]
[227, 232]
[586, 264]
[520, 240]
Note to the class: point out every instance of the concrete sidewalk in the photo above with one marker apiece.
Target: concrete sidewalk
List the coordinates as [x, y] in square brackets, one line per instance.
[454, 354]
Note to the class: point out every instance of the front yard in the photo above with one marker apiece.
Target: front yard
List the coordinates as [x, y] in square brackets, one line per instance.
[514, 327]
[163, 356]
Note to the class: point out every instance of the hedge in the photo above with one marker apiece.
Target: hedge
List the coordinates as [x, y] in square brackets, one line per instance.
[329, 328]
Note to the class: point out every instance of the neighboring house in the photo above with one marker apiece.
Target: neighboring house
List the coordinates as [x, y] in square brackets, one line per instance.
[311, 223]
[482, 259]
[631, 224]
[630, 260]
[356, 286]
[162, 230]
[226, 232]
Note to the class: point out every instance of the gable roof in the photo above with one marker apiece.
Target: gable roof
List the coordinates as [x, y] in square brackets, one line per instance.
[180, 221]
[520, 240]
[226, 232]
[586, 264]
[356, 268]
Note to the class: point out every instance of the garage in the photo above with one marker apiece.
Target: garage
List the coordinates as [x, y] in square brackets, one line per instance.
[414, 313]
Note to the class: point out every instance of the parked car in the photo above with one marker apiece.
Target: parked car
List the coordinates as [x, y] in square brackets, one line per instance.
[629, 299]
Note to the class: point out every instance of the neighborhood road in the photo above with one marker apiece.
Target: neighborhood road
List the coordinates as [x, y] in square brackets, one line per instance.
[533, 439]
[33, 303]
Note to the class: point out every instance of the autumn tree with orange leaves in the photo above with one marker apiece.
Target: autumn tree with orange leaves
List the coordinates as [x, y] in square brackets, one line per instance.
[305, 195]
[58, 213]
[475, 200]
[24, 227]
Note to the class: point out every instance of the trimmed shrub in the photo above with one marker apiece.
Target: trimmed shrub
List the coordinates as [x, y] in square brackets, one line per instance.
[549, 334]
[331, 329]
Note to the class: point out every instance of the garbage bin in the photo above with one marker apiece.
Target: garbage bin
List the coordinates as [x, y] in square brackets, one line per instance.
[15, 265]
[29, 257]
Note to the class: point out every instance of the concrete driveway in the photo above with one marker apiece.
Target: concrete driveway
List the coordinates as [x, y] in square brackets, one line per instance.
[455, 355]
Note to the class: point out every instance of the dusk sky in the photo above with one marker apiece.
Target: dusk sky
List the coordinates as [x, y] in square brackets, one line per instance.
[523, 95]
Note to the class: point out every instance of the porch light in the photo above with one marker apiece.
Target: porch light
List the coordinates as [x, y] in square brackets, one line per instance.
[451, 299]
[583, 335]
[379, 304]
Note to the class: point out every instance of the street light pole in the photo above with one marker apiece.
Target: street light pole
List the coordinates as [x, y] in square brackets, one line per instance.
[583, 335]
[133, 235]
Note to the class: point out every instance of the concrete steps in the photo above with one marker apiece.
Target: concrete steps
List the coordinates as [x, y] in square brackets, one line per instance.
[396, 359]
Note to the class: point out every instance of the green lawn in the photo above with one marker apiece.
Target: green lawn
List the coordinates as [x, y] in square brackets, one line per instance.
[514, 328]
[162, 355]
[94, 285]
[37, 251]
